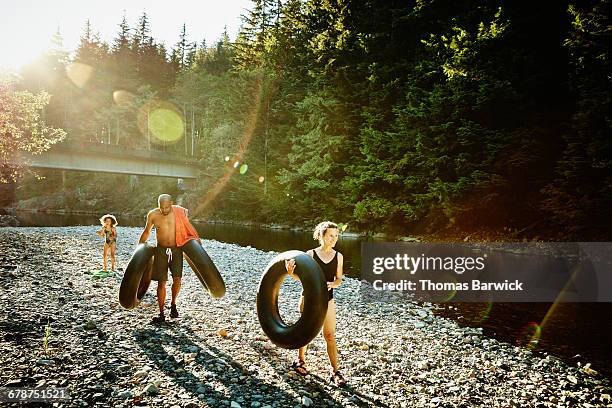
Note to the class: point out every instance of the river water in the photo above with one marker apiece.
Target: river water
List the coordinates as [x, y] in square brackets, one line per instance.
[575, 332]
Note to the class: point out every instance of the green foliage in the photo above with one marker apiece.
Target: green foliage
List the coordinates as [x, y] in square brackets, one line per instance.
[317, 158]
[22, 127]
[580, 196]
[389, 115]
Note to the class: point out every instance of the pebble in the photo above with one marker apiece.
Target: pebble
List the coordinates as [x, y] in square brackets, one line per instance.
[151, 389]
[125, 394]
[306, 401]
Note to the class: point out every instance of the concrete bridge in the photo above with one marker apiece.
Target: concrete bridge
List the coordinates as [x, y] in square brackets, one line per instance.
[106, 158]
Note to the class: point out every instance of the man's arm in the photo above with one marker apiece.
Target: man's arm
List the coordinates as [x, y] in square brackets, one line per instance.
[148, 227]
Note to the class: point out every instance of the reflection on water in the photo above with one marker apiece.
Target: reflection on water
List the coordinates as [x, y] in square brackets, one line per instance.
[565, 330]
[282, 240]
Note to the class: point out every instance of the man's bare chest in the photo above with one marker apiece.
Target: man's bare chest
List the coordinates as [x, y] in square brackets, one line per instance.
[165, 223]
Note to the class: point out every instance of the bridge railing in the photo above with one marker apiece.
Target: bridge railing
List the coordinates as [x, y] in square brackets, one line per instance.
[122, 151]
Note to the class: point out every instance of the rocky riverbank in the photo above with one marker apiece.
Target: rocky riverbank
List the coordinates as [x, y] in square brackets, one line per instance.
[394, 354]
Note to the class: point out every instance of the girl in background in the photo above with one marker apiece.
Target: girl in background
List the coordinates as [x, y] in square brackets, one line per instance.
[109, 233]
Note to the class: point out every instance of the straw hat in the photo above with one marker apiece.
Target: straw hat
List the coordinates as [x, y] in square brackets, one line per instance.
[105, 216]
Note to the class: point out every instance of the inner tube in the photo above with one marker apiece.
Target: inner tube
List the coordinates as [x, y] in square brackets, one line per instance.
[204, 268]
[137, 276]
[314, 284]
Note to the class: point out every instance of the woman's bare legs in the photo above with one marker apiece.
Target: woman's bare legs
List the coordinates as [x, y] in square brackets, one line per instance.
[302, 350]
[329, 333]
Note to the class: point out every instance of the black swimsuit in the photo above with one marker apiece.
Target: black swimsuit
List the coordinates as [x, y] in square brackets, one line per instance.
[329, 270]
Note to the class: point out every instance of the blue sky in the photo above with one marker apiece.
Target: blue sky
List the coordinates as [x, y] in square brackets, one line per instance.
[26, 26]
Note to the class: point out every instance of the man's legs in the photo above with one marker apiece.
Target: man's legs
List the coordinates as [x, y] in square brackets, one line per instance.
[160, 274]
[161, 296]
[176, 267]
[176, 287]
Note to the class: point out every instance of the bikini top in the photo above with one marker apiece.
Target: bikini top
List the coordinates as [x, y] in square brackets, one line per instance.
[330, 268]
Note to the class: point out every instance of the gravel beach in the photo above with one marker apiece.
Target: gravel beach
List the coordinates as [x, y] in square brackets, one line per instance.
[393, 353]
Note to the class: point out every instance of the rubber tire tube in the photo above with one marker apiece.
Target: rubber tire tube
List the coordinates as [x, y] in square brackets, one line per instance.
[137, 276]
[204, 268]
[314, 284]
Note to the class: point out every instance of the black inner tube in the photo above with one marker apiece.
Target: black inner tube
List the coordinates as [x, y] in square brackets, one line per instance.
[314, 284]
[204, 268]
[137, 276]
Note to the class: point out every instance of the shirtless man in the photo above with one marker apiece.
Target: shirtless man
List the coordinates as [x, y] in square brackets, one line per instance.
[167, 253]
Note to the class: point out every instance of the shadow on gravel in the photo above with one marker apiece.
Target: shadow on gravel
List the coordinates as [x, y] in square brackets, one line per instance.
[209, 358]
[283, 367]
[348, 390]
[19, 330]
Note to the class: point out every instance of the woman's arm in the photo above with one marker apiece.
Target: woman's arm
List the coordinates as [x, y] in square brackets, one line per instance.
[290, 265]
[338, 281]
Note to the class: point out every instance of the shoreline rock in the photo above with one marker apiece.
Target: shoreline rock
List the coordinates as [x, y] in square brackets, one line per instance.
[8, 221]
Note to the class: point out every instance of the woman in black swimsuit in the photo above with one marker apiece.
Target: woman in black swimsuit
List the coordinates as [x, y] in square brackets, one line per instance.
[330, 262]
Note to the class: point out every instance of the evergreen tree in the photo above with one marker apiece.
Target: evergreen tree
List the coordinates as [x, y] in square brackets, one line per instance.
[579, 199]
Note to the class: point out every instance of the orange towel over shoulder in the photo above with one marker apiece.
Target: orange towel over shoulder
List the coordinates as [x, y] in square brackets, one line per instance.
[184, 229]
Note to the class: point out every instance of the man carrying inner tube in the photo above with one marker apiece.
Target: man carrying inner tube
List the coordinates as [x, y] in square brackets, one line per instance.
[168, 255]
[330, 262]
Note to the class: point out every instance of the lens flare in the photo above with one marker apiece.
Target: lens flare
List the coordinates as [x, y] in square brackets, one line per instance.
[446, 295]
[537, 329]
[244, 168]
[529, 335]
[79, 73]
[479, 312]
[245, 140]
[123, 98]
[166, 125]
[161, 122]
